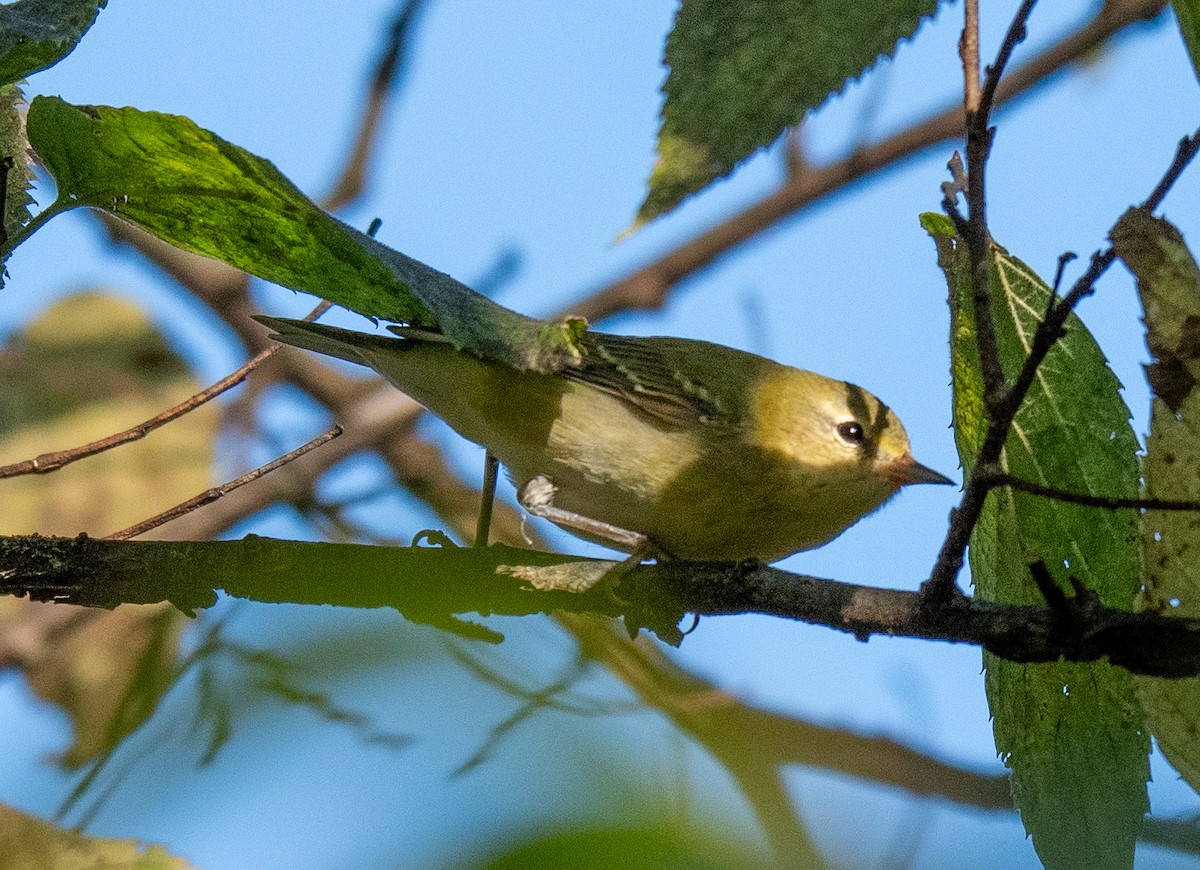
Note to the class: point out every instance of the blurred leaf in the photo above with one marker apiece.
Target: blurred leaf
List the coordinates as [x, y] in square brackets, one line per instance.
[107, 671]
[1187, 13]
[1073, 734]
[743, 71]
[1169, 285]
[625, 816]
[28, 842]
[36, 34]
[89, 350]
[194, 190]
[92, 365]
[646, 847]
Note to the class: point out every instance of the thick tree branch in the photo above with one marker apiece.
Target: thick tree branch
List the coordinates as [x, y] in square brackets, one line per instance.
[106, 573]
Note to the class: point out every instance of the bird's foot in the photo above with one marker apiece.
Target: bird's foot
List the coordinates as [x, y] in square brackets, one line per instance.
[537, 497]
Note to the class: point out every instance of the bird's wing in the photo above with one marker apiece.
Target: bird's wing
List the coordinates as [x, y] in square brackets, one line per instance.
[679, 381]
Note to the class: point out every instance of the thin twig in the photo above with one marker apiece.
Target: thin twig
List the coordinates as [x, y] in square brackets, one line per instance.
[216, 492]
[55, 460]
[1014, 37]
[1063, 259]
[487, 499]
[388, 72]
[974, 231]
[968, 50]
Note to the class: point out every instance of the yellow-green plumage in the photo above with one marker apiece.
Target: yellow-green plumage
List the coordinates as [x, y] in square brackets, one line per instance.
[711, 452]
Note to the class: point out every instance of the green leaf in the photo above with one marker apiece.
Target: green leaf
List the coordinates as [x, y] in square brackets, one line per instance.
[198, 192]
[654, 845]
[1073, 734]
[1169, 286]
[743, 71]
[18, 178]
[1187, 14]
[36, 34]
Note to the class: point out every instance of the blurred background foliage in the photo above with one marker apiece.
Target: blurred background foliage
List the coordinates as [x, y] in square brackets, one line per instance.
[508, 147]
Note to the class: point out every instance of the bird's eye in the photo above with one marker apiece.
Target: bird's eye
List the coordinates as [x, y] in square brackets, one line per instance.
[851, 432]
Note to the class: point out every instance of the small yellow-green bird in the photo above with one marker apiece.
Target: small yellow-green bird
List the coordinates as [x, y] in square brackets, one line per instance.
[700, 451]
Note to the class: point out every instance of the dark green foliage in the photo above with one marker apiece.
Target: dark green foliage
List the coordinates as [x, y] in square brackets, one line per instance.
[1073, 734]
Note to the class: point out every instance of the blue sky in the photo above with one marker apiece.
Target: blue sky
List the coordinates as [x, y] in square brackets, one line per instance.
[530, 128]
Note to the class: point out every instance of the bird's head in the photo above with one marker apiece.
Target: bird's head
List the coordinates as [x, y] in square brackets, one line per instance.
[836, 431]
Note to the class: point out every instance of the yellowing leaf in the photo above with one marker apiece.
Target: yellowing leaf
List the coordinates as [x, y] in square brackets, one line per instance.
[28, 842]
[1169, 285]
[90, 366]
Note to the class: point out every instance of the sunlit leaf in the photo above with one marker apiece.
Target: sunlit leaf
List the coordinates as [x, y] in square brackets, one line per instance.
[194, 190]
[36, 34]
[743, 71]
[1169, 286]
[1073, 734]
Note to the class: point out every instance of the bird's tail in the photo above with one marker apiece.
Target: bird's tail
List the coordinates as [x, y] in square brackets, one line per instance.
[330, 340]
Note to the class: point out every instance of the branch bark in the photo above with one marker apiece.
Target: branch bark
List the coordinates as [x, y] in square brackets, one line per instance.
[106, 573]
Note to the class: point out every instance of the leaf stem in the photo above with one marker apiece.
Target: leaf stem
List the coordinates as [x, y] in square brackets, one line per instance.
[35, 223]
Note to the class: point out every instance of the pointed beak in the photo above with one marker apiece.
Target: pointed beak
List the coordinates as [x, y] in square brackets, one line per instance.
[906, 470]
